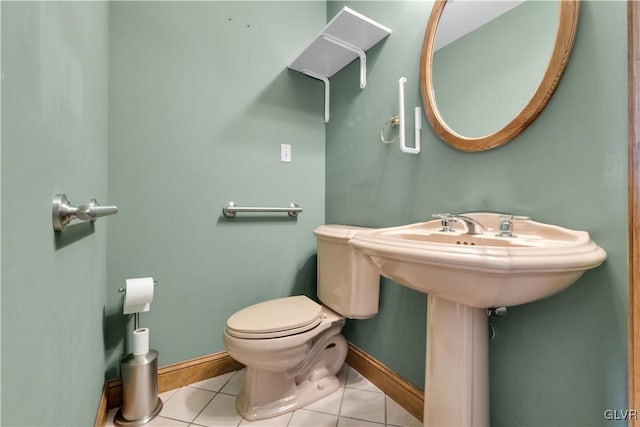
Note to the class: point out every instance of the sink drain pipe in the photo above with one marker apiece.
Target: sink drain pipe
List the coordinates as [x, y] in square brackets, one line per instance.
[495, 312]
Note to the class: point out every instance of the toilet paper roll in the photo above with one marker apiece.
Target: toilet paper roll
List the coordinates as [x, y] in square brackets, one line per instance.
[138, 295]
[140, 341]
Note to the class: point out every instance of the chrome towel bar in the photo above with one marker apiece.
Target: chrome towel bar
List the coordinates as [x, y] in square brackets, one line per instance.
[230, 209]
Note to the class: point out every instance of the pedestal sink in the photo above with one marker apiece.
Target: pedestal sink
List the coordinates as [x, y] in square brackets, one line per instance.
[463, 275]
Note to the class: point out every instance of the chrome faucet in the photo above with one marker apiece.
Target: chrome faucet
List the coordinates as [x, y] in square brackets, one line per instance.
[473, 226]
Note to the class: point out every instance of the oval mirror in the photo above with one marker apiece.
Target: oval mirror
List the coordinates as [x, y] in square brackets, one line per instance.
[488, 68]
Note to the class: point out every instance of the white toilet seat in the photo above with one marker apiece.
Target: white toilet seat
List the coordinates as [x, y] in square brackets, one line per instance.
[275, 318]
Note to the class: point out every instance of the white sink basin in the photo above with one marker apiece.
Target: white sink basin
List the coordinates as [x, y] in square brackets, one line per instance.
[482, 270]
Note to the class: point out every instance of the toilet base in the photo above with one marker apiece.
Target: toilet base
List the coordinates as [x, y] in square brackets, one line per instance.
[301, 395]
[269, 394]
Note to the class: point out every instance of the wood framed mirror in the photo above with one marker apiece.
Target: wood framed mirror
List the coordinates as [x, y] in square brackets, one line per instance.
[521, 116]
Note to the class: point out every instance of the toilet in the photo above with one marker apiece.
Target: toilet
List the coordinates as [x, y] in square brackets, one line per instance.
[293, 347]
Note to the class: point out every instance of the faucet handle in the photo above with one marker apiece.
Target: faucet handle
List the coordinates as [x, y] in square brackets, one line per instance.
[446, 220]
[442, 215]
[506, 224]
[518, 217]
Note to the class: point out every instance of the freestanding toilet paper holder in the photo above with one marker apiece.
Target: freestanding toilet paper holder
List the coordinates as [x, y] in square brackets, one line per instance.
[136, 316]
[140, 401]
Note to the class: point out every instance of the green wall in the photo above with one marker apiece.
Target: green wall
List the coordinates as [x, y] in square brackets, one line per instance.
[200, 101]
[195, 98]
[560, 361]
[54, 139]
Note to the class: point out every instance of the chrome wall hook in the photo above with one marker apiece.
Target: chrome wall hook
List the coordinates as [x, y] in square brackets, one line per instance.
[63, 212]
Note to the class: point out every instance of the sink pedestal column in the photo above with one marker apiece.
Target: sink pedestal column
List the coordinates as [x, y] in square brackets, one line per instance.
[457, 366]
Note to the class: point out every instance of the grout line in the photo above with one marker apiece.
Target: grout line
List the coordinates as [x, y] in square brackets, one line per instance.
[172, 419]
[175, 390]
[215, 391]
[367, 421]
[226, 394]
[204, 407]
[290, 416]
[227, 381]
[386, 398]
[377, 390]
[346, 381]
[236, 395]
[316, 411]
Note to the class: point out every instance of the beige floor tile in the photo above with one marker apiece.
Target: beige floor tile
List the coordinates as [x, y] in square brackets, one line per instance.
[167, 394]
[305, 418]
[363, 405]
[186, 403]
[357, 381]
[397, 416]
[343, 374]
[220, 412]
[213, 384]
[358, 403]
[235, 384]
[329, 404]
[280, 421]
[165, 422]
[351, 422]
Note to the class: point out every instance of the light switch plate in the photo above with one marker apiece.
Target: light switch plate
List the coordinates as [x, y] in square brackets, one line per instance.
[285, 153]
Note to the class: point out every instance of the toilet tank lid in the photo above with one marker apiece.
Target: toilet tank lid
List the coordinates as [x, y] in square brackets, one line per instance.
[275, 315]
[337, 231]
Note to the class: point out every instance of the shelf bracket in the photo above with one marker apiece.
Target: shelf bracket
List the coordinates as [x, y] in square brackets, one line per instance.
[327, 90]
[346, 37]
[363, 56]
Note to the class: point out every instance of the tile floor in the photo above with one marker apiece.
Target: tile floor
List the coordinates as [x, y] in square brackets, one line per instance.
[211, 403]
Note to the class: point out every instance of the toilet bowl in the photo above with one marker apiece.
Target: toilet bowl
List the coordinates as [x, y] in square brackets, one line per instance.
[290, 368]
[293, 347]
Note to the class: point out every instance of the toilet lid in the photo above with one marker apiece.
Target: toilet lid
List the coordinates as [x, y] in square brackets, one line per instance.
[275, 318]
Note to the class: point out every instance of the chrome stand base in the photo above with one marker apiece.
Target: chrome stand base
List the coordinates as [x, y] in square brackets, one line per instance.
[120, 421]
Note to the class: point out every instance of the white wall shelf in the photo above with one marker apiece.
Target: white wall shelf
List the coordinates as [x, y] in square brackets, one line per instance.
[346, 37]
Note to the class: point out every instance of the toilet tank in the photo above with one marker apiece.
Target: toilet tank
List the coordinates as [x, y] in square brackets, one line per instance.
[347, 282]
